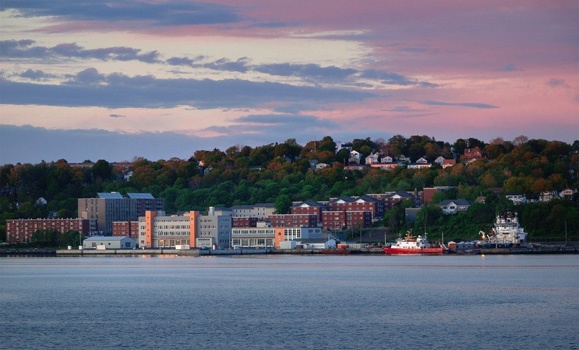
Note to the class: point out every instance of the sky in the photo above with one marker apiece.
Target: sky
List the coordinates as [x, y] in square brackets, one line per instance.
[89, 80]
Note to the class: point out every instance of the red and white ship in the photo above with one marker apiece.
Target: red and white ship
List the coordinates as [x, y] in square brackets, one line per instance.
[413, 245]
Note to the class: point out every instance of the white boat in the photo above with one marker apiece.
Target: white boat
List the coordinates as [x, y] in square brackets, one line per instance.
[506, 231]
[413, 245]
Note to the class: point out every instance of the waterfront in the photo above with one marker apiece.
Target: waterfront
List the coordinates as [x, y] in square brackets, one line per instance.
[286, 302]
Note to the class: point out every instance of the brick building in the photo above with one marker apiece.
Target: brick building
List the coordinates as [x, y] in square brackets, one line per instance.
[309, 207]
[361, 203]
[293, 220]
[126, 229]
[334, 220]
[244, 222]
[21, 230]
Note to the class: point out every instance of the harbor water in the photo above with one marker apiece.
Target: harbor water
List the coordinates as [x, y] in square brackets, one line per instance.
[290, 302]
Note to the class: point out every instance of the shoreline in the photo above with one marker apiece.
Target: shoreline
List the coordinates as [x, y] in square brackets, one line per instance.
[47, 252]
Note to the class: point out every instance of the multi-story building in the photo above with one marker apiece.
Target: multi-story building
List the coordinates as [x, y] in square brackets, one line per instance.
[358, 218]
[392, 198]
[215, 229]
[361, 203]
[309, 207]
[157, 230]
[334, 219]
[110, 207]
[262, 236]
[293, 220]
[21, 230]
[298, 233]
[126, 229]
[260, 211]
[244, 222]
[141, 202]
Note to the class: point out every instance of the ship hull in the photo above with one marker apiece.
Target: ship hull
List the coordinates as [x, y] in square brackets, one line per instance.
[413, 251]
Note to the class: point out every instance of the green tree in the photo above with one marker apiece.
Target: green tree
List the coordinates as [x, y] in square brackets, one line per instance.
[283, 204]
[102, 170]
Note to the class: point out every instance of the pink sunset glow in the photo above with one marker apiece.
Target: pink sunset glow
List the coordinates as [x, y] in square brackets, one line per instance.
[215, 74]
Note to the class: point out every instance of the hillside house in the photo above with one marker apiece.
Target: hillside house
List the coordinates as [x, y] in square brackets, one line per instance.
[472, 154]
[453, 206]
[355, 157]
[445, 163]
[373, 158]
[516, 198]
[421, 163]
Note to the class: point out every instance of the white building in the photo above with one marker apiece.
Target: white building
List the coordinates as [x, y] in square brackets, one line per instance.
[517, 198]
[109, 242]
[215, 229]
[157, 230]
[255, 237]
[451, 207]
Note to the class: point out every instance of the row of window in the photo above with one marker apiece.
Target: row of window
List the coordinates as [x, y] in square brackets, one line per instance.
[252, 232]
[172, 233]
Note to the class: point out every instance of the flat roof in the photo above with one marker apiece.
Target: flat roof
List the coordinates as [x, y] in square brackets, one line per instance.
[113, 195]
[140, 195]
[106, 238]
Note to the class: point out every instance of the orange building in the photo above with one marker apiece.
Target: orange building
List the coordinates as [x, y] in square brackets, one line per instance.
[157, 230]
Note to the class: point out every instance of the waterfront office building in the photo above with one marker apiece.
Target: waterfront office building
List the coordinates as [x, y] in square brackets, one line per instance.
[215, 229]
[262, 236]
[267, 236]
[157, 230]
[110, 207]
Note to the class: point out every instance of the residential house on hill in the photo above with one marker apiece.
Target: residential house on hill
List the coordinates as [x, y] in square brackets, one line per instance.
[472, 154]
[355, 157]
[453, 206]
[517, 198]
[421, 163]
[387, 159]
[445, 163]
[343, 145]
[386, 163]
[567, 193]
[548, 196]
[402, 159]
[373, 158]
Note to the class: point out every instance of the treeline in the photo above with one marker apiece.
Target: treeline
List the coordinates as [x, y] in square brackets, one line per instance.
[281, 173]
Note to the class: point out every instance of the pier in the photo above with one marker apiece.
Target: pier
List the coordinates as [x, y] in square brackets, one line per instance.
[47, 252]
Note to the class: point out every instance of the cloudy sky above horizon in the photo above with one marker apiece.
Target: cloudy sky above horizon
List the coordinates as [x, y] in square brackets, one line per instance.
[159, 79]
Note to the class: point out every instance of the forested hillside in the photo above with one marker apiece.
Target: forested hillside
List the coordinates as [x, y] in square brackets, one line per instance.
[281, 173]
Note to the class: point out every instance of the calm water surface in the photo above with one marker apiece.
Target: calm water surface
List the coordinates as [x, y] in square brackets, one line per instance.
[290, 302]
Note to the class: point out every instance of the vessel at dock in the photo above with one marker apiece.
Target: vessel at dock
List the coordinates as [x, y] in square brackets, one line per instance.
[506, 232]
[413, 245]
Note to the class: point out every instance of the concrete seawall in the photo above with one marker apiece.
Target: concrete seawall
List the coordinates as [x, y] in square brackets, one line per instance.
[127, 252]
[555, 249]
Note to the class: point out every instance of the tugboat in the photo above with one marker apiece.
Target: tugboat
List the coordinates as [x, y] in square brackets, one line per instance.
[506, 232]
[413, 245]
